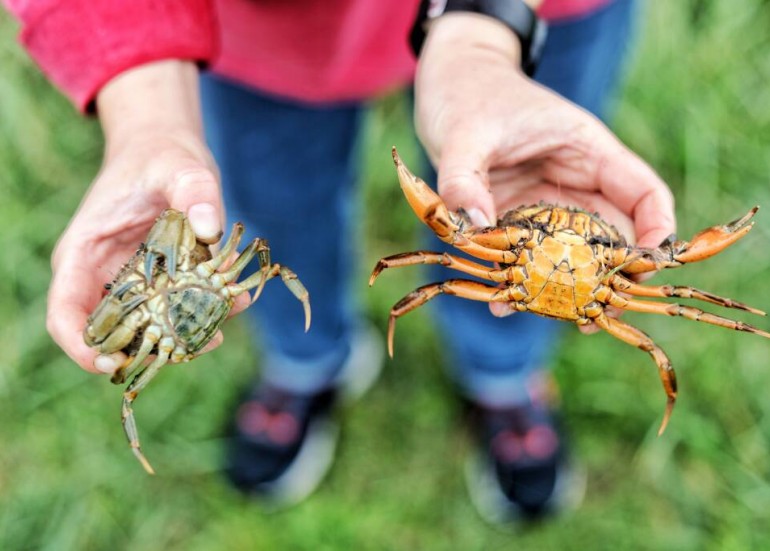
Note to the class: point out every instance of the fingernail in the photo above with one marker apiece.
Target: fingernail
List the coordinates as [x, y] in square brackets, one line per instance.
[108, 363]
[204, 220]
[478, 218]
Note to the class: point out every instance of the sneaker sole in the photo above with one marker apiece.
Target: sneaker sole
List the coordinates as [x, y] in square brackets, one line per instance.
[308, 469]
[362, 369]
[495, 508]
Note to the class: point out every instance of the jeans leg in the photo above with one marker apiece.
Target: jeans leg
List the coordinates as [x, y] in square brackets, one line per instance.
[287, 173]
[500, 360]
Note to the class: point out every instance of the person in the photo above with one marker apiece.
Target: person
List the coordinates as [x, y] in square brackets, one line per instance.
[268, 130]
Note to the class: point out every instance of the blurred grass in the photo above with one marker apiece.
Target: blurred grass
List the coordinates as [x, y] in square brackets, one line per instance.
[695, 106]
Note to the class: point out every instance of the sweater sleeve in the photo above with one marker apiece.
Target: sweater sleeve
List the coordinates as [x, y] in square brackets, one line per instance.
[81, 44]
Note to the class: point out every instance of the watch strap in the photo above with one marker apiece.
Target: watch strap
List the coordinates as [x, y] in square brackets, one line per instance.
[515, 14]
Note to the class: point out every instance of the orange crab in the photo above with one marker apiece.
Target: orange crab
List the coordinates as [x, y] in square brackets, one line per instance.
[563, 263]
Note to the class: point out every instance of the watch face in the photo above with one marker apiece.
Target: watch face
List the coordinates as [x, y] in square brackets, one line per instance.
[436, 8]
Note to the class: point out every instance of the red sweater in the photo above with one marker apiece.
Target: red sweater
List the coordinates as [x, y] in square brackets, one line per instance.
[311, 50]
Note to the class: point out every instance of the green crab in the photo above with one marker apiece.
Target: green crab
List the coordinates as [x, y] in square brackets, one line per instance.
[169, 300]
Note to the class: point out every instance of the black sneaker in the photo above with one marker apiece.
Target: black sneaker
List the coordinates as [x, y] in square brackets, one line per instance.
[281, 444]
[520, 471]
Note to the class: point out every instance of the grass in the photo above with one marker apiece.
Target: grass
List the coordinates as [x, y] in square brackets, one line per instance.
[695, 106]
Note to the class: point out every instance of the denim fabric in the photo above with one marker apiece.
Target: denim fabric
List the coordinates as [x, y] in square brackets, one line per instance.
[288, 172]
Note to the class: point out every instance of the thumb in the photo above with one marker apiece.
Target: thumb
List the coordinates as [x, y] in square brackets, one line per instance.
[195, 191]
[463, 180]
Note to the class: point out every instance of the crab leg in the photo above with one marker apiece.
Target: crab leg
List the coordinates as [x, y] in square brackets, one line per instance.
[151, 336]
[460, 287]
[620, 283]
[223, 278]
[684, 311]
[289, 278]
[504, 239]
[122, 335]
[675, 253]
[140, 381]
[636, 337]
[206, 269]
[429, 208]
[516, 274]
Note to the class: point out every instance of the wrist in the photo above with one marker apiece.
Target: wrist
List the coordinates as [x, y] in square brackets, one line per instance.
[518, 16]
[458, 31]
[154, 99]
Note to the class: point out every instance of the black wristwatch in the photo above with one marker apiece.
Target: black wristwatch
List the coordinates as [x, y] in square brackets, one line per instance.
[515, 14]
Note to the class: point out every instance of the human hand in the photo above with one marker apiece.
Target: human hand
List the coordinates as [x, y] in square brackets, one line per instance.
[500, 140]
[155, 158]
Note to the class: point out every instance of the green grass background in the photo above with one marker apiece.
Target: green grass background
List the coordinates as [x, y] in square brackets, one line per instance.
[696, 106]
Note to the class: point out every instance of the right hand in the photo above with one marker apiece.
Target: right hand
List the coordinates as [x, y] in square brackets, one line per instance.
[500, 140]
[155, 158]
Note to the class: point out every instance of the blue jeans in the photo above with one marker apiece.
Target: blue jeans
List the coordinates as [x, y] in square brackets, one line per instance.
[289, 172]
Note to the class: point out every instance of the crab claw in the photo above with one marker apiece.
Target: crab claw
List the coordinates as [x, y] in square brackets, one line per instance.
[109, 312]
[672, 253]
[170, 234]
[715, 239]
[425, 202]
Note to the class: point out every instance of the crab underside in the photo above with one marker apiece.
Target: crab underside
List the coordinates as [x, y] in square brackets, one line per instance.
[170, 299]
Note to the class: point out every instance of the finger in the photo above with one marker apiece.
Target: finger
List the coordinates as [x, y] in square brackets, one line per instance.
[589, 329]
[242, 302]
[501, 309]
[79, 272]
[463, 179]
[592, 328]
[215, 342]
[109, 363]
[613, 312]
[66, 319]
[640, 193]
[195, 191]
